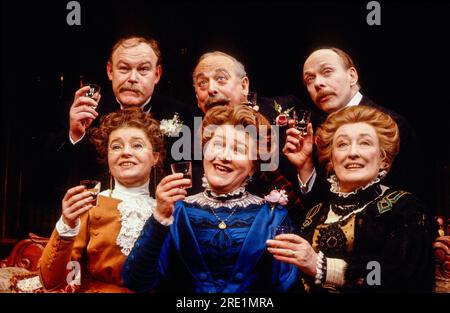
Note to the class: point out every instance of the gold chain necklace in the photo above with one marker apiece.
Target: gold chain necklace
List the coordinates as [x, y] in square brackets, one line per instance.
[222, 225]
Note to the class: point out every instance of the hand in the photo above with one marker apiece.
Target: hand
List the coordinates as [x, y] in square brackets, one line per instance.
[75, 202]
[82, 113]
[294, 249]
[299, 151]
[168, 192]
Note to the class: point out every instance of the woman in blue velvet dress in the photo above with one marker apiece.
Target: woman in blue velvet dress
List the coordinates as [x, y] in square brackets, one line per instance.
[214, 241]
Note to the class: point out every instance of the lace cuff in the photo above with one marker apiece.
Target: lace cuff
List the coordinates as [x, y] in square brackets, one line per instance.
[66, 231]
[163, 221]
[335, 272]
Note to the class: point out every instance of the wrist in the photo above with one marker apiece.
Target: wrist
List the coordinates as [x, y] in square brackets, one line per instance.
[71, 224]
[305, 171]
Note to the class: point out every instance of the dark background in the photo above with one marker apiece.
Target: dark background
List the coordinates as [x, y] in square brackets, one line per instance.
[403, 65]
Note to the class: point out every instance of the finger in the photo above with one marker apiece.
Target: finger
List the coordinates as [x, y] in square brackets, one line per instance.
[176, 198]
[82, 91]
[177, 183]
[293, 140]
[85, 108]
[74, 215]
[79, 204]
[175, 191]
[73, 191]
[170, 177]
[288, 253]
[291, 260]
[84, 116]
[278, 244]
[289, 147]
[88, 101]
[309, 130]
[291, 238]
[293, 132]
[78, 197]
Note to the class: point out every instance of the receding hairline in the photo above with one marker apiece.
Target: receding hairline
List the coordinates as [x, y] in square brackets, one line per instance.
[238, 66]
[134, 41]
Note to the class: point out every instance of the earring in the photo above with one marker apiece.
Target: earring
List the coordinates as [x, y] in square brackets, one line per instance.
[381, 174]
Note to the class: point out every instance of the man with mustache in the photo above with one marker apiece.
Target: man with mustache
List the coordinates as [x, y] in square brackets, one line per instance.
[331, 79]
[134, 69]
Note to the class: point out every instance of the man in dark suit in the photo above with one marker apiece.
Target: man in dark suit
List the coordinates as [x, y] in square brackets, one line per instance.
[332, 81]
[220, 79]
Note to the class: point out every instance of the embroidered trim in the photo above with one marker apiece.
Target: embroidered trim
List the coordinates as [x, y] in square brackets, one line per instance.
[311, 213]
[202, 199]
[389, 200]
[133, 214]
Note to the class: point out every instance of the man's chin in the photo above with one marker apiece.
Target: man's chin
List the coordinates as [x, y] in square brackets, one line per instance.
[131, 101]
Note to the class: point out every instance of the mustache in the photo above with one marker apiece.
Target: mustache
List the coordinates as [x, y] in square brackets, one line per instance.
[132, 89]
[322, 94]
[215, 101]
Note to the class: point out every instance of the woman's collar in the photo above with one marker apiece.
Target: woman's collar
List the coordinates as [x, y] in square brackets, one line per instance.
[336, 189]
[139, 190]
[235, 194]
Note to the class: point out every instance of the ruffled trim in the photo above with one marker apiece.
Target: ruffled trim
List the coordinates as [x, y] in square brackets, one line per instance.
[239, 191]
[335, 185]
[203, 200]
[133, 213]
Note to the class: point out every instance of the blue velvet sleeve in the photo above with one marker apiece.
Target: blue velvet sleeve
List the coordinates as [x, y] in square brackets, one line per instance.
[141, 271]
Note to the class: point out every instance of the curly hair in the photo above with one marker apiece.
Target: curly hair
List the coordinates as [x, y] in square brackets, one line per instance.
[240, 115]
[129, 117]
[385, 127]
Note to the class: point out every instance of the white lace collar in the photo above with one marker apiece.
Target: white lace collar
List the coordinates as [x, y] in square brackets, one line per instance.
[335, 185]
[136, 207]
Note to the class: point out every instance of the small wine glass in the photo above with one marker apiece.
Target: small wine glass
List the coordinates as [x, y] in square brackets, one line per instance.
[282, 229]
[184, 167]
[94, 91]
[301, 120]
[93, 186]
[252, 99]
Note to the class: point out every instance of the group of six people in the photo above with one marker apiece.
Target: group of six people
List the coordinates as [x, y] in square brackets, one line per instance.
[349, 204]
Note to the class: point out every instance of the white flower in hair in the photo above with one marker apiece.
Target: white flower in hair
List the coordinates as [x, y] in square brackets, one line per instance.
[171, 127]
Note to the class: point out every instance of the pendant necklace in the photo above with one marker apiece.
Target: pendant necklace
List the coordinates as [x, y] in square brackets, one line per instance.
[222, 225]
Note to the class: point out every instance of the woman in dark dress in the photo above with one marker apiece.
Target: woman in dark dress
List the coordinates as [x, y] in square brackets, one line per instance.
[363, 237]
